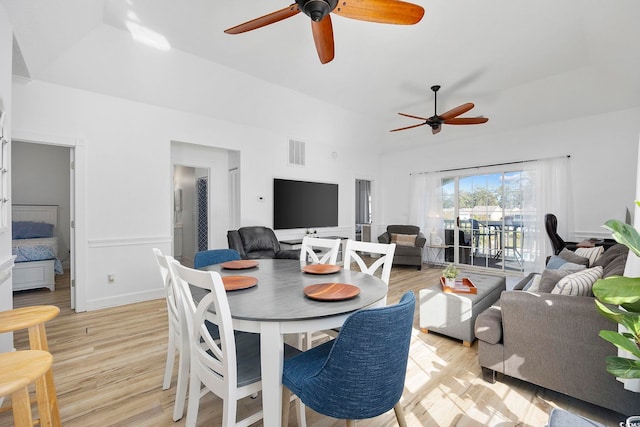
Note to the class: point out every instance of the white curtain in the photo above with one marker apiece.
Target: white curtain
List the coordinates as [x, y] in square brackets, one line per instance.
[425, 209]
[546, 187]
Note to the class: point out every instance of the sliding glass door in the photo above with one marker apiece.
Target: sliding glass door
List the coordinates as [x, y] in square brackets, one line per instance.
[484, 220]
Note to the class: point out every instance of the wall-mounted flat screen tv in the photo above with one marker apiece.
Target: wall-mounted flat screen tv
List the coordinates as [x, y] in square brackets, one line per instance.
[303, 204]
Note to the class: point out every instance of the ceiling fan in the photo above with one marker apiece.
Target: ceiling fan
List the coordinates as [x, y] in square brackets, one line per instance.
[381, 11]
[448, 118]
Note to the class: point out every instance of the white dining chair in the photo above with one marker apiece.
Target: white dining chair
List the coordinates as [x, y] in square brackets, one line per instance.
[229, 366]
[328, 256]
[308, 255]
[178, 337]
[385, 260]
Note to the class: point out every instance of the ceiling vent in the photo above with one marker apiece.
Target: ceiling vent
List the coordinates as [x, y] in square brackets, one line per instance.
[296, 152]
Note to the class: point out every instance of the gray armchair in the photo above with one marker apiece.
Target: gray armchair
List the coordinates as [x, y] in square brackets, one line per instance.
[258, 242]
[408, 250]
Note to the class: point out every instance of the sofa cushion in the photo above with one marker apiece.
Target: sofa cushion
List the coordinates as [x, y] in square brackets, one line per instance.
[404, 239]
[570, 256]
[591, 253]
[532, 285]
[403, 229]
[613, 260]
[614, 251]
[579, 283]
[488, 327]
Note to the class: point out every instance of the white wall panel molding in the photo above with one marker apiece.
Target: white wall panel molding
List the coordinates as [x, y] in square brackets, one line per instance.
[129, 241]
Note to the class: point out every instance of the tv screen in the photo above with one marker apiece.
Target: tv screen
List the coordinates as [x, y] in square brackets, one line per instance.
[302, 204]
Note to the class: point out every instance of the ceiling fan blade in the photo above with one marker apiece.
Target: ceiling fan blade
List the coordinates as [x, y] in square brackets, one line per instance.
[323, 38]
[413, 117]
[408, 127]
[436, 129]
[271, 18]
[466, 121]
[460, 109]
[383, 11]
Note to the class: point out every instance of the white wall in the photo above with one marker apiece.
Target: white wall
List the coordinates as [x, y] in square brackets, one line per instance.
[603, 153]
[40, 176]
[128, 173]
[6, 40]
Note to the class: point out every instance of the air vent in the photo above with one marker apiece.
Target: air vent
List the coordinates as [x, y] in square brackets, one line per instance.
[296, 152]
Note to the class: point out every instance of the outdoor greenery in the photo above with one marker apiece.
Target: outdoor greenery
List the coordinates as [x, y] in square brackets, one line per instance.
[623, 293]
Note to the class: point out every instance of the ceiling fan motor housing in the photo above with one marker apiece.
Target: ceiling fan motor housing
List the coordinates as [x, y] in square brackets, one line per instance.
[317, 9]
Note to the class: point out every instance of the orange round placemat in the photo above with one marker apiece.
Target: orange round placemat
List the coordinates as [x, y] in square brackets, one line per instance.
[331, 291]
[239, 264]
[321, 268]
[234, 283]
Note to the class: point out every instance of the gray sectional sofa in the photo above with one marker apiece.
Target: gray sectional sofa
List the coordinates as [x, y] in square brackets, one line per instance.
[552, 341]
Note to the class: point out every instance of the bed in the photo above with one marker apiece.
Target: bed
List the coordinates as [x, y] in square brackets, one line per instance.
[35, 246]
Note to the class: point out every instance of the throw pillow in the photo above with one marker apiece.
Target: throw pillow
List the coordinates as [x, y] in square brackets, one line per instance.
[403, 239]
[549, 280]
[592, 253]
[555, 262]
[579, 283]
[572, 267]
[570, 256]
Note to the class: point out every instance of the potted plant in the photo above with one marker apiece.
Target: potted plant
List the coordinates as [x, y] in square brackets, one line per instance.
[450, 273]
[623, 295]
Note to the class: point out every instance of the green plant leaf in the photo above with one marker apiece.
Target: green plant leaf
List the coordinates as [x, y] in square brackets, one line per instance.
[622, 367]
[630, 320]
[621, 341]
[618, 290]
[625, 234]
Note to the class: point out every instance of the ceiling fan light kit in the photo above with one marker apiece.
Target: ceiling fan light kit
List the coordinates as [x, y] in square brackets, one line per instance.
[449, 117]
[381, 11]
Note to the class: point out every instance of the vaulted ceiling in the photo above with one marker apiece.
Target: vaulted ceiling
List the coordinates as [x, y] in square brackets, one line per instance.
[521, 63]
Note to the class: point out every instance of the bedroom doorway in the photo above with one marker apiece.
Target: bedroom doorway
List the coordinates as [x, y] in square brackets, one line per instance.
[43, 174]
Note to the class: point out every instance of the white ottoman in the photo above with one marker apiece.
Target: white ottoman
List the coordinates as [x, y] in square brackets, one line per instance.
[454, 314]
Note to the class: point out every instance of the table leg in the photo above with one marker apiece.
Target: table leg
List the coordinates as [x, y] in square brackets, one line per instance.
[272, 354]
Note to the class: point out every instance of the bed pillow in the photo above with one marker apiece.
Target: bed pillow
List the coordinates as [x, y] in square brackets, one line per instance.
[403, 239]
[31, 230]
[592, 253]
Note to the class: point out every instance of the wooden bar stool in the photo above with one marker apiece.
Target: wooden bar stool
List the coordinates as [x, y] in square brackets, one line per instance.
[33, 319]
[18, 369]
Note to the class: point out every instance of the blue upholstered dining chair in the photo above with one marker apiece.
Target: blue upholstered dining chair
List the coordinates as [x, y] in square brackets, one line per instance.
[361, 373]
[214, 256]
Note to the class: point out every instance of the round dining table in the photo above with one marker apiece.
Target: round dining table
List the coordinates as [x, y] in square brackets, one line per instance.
[277, 305]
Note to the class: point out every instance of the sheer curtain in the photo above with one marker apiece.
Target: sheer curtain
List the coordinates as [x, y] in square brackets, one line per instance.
[426, 205]
[546, 188]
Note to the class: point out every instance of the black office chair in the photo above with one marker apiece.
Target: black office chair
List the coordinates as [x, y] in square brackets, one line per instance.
[551, 224]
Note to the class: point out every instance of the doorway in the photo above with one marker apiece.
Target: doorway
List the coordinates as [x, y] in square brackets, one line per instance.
[42, 174]
[363, 210]
[190, 212]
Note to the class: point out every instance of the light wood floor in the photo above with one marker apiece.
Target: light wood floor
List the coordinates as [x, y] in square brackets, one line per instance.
[108, 367]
